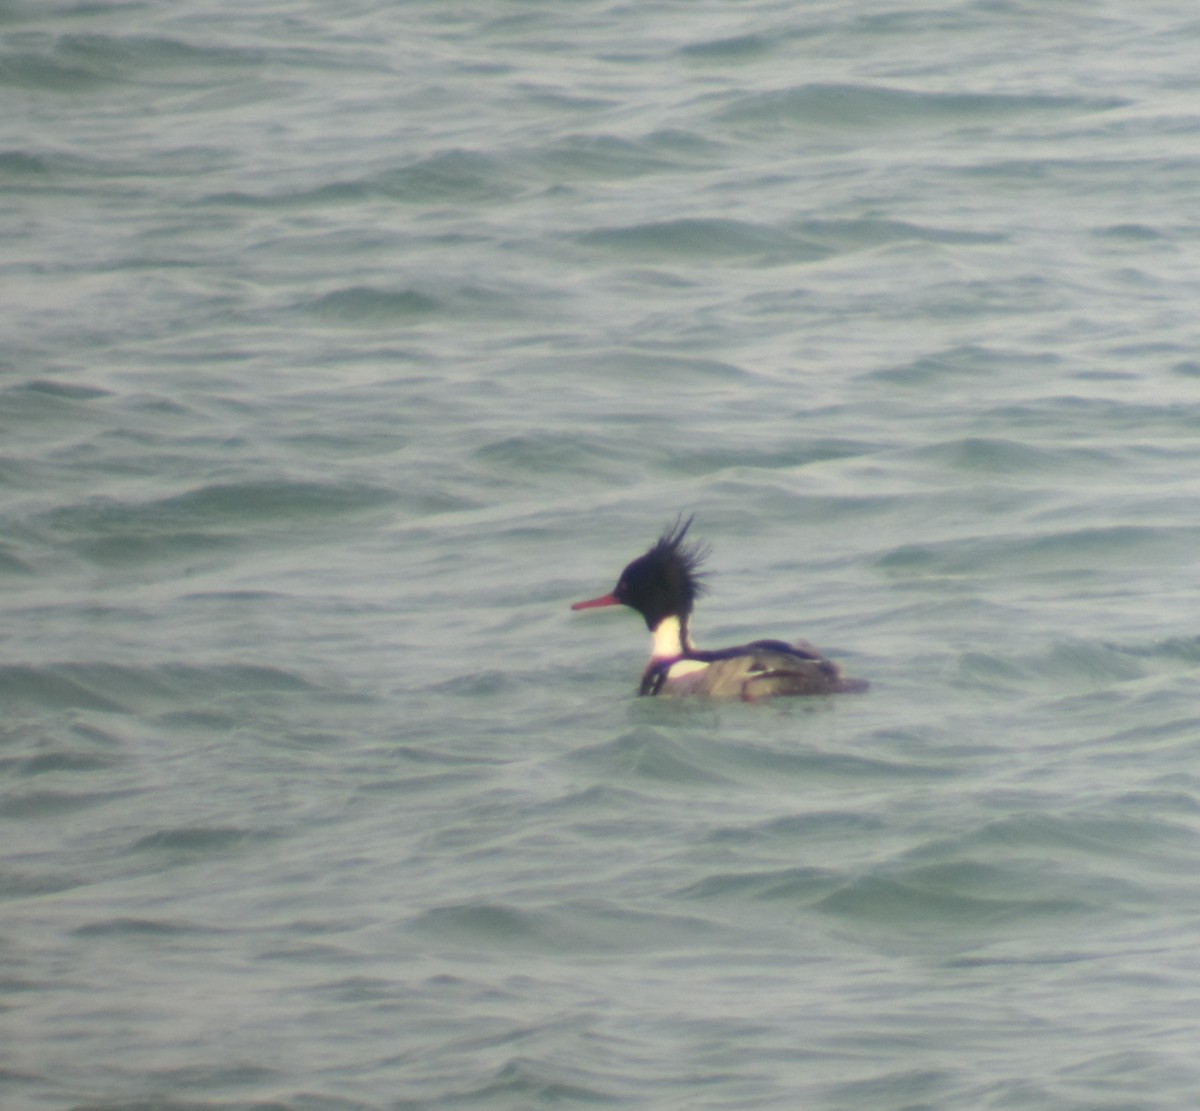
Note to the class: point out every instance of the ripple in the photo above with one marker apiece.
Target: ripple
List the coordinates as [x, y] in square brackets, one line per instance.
[1080, 550]
[803, 884]
[897, 902]
[190, 841]
[51, 803]
[16, 165]
[73, 391]
[841, 105]
[360, 304]
[567, 928]
[121, 688]
[457, 176]
[734, 48]
[606, 157]
[646, 754]
[998, 455]
[865, 234]
[539, 452]
[208, 519]
[23, 885]
[122, 927]
[706, 238]
[522, 1082]
[54, 687]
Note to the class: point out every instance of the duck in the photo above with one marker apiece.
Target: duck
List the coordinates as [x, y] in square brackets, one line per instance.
[663, 586]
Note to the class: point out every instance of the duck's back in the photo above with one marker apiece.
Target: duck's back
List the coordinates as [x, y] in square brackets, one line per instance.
[750, 672]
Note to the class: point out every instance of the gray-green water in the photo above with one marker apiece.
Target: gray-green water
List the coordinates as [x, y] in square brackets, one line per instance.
[345, 345]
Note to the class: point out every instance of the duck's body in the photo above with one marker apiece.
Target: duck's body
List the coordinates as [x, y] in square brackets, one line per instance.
[760, 669]
[662, 586]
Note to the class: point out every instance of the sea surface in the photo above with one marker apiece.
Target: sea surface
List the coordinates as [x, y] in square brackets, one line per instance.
[345, 344]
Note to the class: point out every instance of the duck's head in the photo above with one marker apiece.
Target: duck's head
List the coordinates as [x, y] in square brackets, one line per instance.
[664, 582]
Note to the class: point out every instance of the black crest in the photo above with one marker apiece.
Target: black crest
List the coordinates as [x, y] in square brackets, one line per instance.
[667, 579]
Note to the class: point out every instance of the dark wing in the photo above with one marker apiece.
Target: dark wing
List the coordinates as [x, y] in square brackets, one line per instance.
[770, 669]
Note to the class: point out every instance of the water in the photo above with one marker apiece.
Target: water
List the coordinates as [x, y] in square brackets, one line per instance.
[346, 345]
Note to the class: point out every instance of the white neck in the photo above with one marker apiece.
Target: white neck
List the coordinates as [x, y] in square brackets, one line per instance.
[670, 639]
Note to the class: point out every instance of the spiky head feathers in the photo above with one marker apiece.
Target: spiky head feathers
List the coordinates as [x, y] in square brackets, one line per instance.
[667, 579]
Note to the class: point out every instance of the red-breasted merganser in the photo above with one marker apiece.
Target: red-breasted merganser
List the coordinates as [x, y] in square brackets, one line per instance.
[662, 586]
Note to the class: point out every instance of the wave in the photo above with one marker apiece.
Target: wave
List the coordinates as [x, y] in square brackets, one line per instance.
[206, 519]
[567, 927]
[124, 688]
[706, 237]
[451, 176]
[836, 105]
